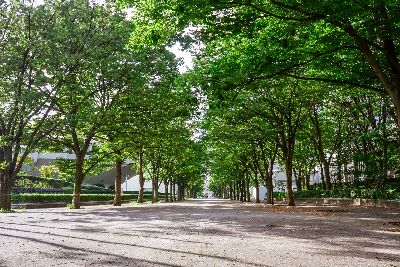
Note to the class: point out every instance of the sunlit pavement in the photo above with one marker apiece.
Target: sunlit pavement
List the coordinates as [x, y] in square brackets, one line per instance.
[204, 232]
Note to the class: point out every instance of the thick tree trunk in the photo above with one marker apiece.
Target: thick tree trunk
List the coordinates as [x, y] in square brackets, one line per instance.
[289, 189]
[141, 178]
[5, 193]
[258, 193]
[155, 190]
[76, 198]
[270, 189]
[179, 191]
[327, 174]
[79, 176]
[268, 183]
[182, 197]
[166, 194]
[118, 178]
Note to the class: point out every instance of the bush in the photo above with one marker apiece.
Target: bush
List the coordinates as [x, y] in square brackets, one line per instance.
[347, 191]
[279, 195]
[40, 182]
[54, 198]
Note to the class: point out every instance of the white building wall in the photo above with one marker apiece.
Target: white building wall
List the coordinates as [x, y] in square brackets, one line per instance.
[132, 184]
[263, 192]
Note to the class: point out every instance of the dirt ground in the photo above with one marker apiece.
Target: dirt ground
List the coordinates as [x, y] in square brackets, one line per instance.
[204, 232]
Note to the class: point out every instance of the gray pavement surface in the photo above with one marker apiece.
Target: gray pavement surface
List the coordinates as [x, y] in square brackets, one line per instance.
[204, 232]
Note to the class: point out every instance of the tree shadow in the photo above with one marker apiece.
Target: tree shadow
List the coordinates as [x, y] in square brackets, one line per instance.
[347, 232]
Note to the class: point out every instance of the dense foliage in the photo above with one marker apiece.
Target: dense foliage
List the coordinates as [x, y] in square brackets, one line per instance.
[309, 90]
[75, 78]
[311, 86]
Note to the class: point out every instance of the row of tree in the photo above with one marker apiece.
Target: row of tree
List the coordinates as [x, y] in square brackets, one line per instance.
[76, 76]
[299, 83]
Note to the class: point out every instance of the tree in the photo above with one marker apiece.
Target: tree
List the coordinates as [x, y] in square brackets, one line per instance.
[84, 103]
[301, 39]
[29, 80]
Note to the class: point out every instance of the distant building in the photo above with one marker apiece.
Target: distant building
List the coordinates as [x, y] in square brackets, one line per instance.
[279, 181]
[131, 183]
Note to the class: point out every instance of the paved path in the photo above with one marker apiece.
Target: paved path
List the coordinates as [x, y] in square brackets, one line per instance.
[199, 233]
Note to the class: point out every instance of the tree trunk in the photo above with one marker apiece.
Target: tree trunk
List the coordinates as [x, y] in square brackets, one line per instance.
[247, 183]
[297, 178]
[307, 180]
[76, 198]
[339, 172]
[241, 186]
[270, 189]
[155, 190]
[234, 189]
[268, 181]
[322, 176]
[118, 178]
[179, 191]
[5, 192]
[257, 184]
[174, 191]
[79, 176]
[289, 189]
[171, 196]
[182, 192]
[237, 190]
[327, 174]
[166, 193]
[141, 178]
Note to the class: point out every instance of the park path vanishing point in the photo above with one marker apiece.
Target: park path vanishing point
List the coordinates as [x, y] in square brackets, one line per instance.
[203, 232]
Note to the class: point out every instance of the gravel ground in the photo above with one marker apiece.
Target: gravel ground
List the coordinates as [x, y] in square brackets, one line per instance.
[205, 232]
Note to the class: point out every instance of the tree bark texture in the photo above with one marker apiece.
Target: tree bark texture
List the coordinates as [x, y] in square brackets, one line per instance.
[118, 178]
[141, 178]
[79, 176]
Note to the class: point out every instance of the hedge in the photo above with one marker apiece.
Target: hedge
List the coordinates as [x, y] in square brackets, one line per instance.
[40, 182]
[67, 198]
[366, 193]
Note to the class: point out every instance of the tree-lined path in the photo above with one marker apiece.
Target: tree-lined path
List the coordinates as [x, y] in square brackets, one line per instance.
[204, 232]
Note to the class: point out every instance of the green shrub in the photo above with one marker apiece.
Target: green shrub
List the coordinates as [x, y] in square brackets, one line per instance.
[360, 191]
[54, 198]
[40, 182]
[279, 195]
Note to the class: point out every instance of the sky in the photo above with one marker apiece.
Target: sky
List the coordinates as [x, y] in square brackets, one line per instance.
[184, 55]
